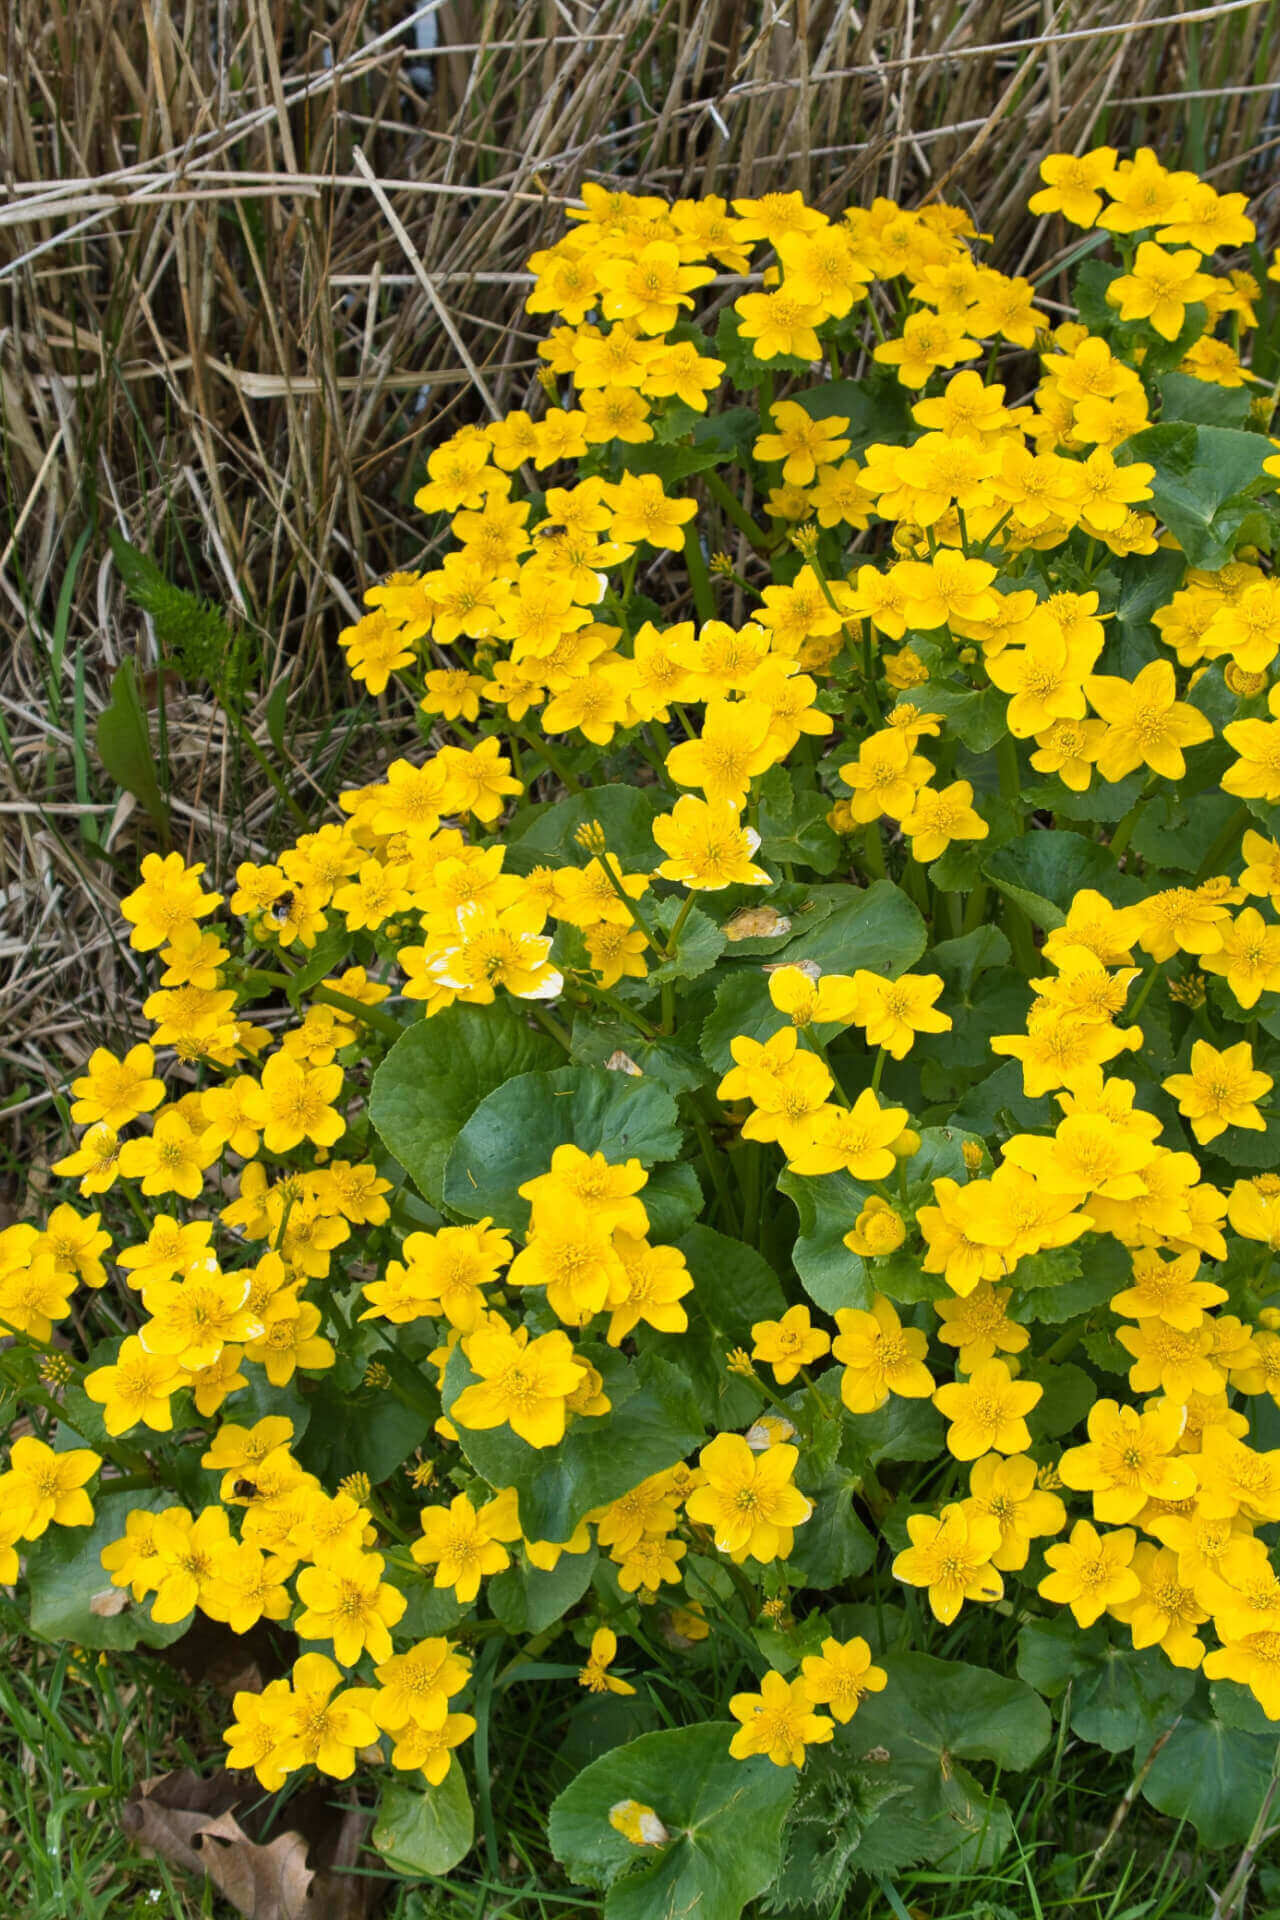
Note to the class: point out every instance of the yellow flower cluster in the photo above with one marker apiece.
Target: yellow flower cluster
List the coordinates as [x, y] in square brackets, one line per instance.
[733, 715]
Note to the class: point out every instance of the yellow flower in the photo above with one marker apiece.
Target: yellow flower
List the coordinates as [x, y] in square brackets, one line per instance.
[1009, 1492]
[194, 1318]
[879, 1356]
[1091, 1572]
[1147, 725]
[169, 898]
[649, 286]
[1168, 1290]
[778, 1721]
[779, 322]
[523, 1383]
[951, 1555]
[877, 1231]
[42, 1487]
[1220, 1091]
[1164, 1613]
[788, 1344]
[893, 1012]
[736, 744]
[430, 1749]
[1160, 287]
[346, 1601]
[860, 1139]
[595, 1676]
[979, 1326]
[748, 1499]
[1073, 183]
[1128, 1460]
[116, 1090]
[415, 1687]
[320, 1726]
[802, 442]
[940, 816]
[841, 1676]
[655, 1280]
[707, 847]
[460, 1544]
[987, 1411]
[137, 1386]
[296, 1104]
[573, 1257]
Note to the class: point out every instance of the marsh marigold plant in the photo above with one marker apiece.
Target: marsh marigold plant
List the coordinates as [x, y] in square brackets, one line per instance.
[736, 1187]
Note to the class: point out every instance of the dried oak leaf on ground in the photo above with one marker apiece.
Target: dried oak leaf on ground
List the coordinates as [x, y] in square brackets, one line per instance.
[192, 1823]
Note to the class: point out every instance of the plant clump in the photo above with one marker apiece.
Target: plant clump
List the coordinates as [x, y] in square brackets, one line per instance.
[748, 1153]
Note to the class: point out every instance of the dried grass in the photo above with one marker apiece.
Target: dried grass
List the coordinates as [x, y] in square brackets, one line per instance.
[253, 259]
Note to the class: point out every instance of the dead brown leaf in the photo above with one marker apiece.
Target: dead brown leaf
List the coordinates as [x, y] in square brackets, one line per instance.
[302, 1874]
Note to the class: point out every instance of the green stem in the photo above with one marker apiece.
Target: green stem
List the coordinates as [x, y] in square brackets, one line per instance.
[330, 997]
[874, 855]
[735, 512]
[299, 813]
[1225, 841]
[699, 579]
[975, 912]
[551, 1025]
[1144, 992]
[877, 1070]
[552, 759]
[712, 1158]
[673, 938]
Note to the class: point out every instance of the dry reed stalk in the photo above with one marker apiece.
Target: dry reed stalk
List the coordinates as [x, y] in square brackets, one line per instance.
[253, 259]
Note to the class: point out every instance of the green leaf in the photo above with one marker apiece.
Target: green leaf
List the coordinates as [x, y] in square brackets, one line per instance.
[976, 716]
[653, 1421]
[828, 1206]
[797, 834]
[1090, 293]
[369, 1431]
[877, 927]
[701, 944]
[192, 633]
[933, 1714]
[724, 1818]
[425, 1829]
[711, 440]
[1204, 405]
[1213, 1775]
[1174, 834]
[876, 408]
[832, 1545]
[123, 739]
[1119, 1697]
[511, 1135]
[673, 1200]
[733, 1284]
[1068, 1395]
[437, 1074]
[65, 1577]
[900, 1430]
[1043, 872]
[843, 1822]
[963, 961]
[528, 1599]
[1054, 1286]
[742, 1007]
[546, 833]
[1201, 476]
